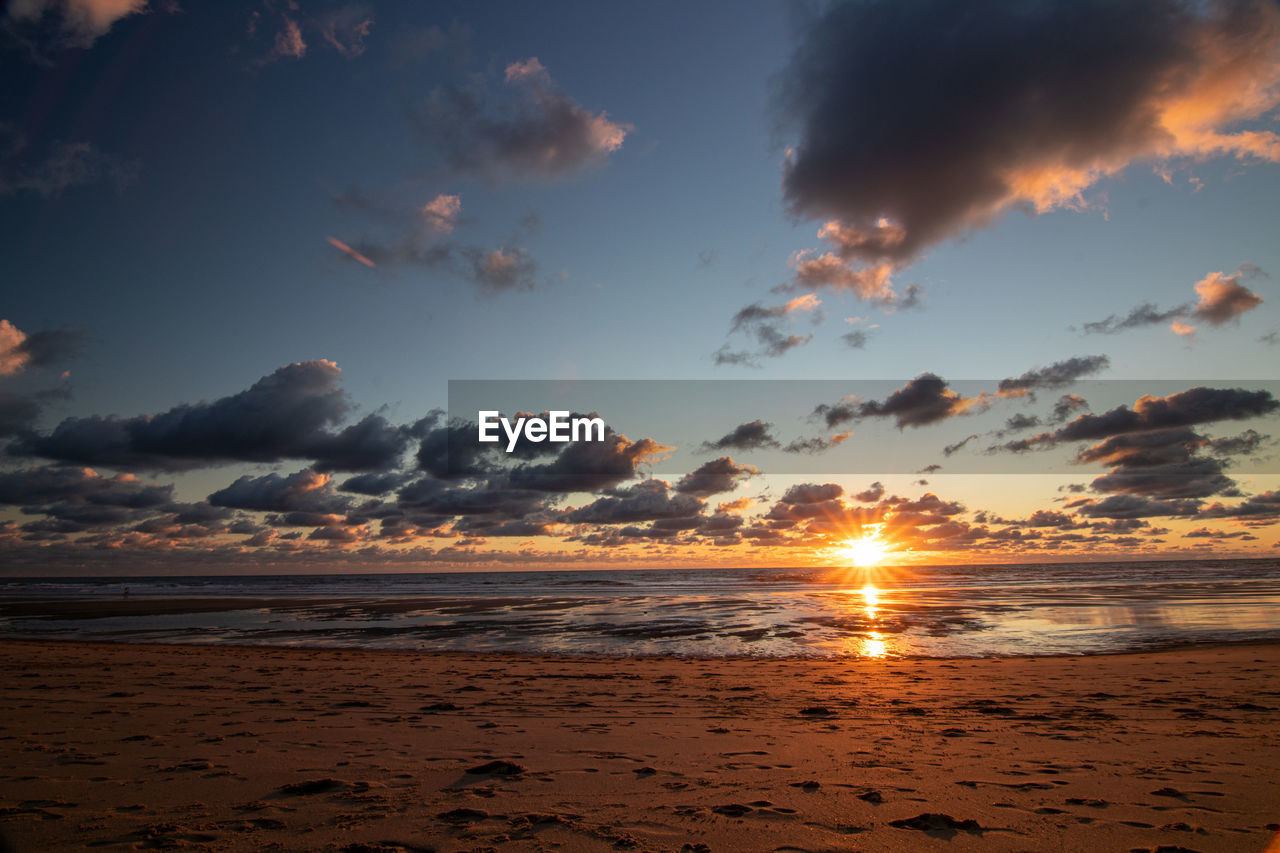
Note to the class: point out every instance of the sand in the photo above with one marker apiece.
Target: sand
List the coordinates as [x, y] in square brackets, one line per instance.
[122, 747]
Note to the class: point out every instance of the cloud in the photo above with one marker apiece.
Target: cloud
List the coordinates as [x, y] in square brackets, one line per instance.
[441, 213]
[64, 166]
[81, 21]
[13, 356]
[922, 401]
[588, 466]
[747, 436]
[1221, 299]
[289, 43]
[1146, 314]
[1186, 408]
[501, 269]
[812, 493]
[1153, 450]
[286, 415]
[650, 500]
[18, 414]
[1199, 405]
[1056, 375]
[1135, 506]
[952, 449]
[343, 29]
[872, 494]
[534, 132]
[714, 477]
[304, 491]
[1265, 505]
[856, 339]
[54, 484]
[421, 238]
[1067, 405]
[45, 348]
[1040, 102]
[346, 28]
[763, 322]
[817, 444]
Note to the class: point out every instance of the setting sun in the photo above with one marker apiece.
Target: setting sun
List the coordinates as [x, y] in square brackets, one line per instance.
[867, 551]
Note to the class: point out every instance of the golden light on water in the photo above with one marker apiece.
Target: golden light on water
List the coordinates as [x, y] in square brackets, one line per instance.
[871, 596]
[874, 646]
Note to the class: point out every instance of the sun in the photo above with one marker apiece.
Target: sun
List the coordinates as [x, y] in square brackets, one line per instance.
[867, 551]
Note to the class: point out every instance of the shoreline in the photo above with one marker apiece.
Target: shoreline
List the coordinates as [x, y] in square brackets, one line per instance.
[114, 746]
[1190, 646]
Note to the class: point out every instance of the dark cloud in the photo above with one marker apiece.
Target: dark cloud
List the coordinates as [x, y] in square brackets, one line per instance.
[1067, 405]
[951, 449]
[286, 415]
[871, 494]
[1187, 408]
[916, 123]
[305, 491]
[442, 500]
[1056, 375]
[1243, 444]
[817, 444]
[857, 339]
[714, 477]
[52, 347]
[748, 436]
[812, 493]
[1190, 478]
[1206, 533]
[728, 355]
[650, 500]
[587, 466]
[1263, 506]
[1146, 314]
[922, 401]
[18, 414]
[764, 324]
[533, 131]
[1136, 506]
[1194, 406]
[374, 484]
[62, 485]
[373, 444]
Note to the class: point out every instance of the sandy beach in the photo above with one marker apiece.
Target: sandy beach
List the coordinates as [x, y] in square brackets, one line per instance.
[227, 748]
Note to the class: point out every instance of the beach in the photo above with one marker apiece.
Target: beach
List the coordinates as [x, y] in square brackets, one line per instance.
[217, 747]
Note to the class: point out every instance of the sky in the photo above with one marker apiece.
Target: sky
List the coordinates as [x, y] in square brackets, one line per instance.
[988, 282]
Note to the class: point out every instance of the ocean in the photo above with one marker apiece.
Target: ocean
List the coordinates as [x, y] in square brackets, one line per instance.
[889, 612]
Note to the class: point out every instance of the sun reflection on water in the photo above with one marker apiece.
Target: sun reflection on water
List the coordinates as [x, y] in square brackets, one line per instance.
[874, 646]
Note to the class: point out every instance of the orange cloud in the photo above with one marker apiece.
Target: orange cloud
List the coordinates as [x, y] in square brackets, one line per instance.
[441, 213]
[12, 356]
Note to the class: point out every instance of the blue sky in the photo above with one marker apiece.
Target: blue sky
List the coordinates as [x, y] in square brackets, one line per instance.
[174, 176]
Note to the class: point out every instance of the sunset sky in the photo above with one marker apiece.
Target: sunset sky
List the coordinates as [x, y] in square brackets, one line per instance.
[1003, 276]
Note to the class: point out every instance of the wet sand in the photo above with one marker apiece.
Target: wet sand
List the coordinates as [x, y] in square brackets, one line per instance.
[123, 747]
